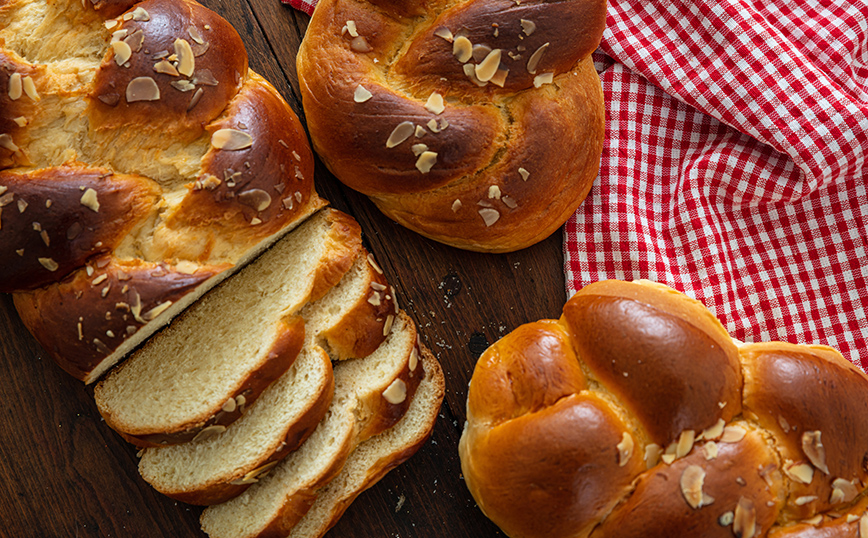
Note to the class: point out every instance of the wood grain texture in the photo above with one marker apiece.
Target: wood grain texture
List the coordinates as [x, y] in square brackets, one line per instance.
[63, 472]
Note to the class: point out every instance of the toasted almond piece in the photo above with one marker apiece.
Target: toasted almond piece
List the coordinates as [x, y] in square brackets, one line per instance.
[6, 142]
[229, 406]
[30, 88]
[122, 51]
[420, 131]
[90, 201]
[119, 35]
[625, 449]
[652, 455]
[462, 49]
[685, 443]
[186, 59]
[396, 392]
[470, 71]
[419, 149]
[360, 44]
[444, 33]
[209, 432]
[692, 480]
[140, 14]
[401, 133]
[426, 161]
[136, 40]
[799, 472]
[533, 61]
[863, 526]
[21, 121]
[258, 199]
[843, 491]
[186, 267]
[361, 94]
[528, 27]
[499, 78]
[166, 68]
[733, 434]
[48, 263]
[812, 445]
[435, 104]
[805, 499]
[524, 174]
[489, 216]
[456, 205]
[16, 89]
[713, 432]
[194, 34]
[231, 139]
[543, 79]
[710, 449]
[142, 89]
[351, 28]
[156, 311]
[111, 23]
[744, 520]
[183, 85]
[489, 66]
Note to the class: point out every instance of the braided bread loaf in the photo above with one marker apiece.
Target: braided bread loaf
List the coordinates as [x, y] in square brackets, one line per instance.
[477, 123]
[140, 162]
[637, 415]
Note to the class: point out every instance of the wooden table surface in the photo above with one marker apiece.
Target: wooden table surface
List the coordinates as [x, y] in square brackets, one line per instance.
[63, 472]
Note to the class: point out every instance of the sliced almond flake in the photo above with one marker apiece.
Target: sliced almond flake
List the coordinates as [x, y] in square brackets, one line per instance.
[625, 449]
[122, 51]
[812, 446]
[36, 226]
[377, 286]
[499, 78]
[80, 332]
[111, 23]
[851, 518]
[136, 40]
[489, 66]
[16, 88]
[420, 131]
[387, 328]
[470, 71]
[20, 252]
[186, 267]
[166, 68]
[258, 199]
[351, 28]
[396, 392]
[524, 174]
[710, 449]
[509, 202]
[414, 359]
[7, 143]
[186, 59]
[30, 88]
[543, 79]
[3, 189]
[668, 458]
[484, 203]
[298, 196]
[685, 443]
[489, 216]
[799, 472]
[361, 94]
[863, 526]
[21, 121]
[692, 480]
[200, 50]
[801, 501]
[157, 310]
[142, 89]
[22, 205]
[231, 139]
[101, 347]
[462, 49]
[374, 299]
[652, 455]
[105, 291]
[744, 519]
[360, 44]
[456, 205]
[533, 61]
[418, 149]
[207, 433]
[119, 35]
[373, 264]
[89, 200]
[400, 133]
[444, 33]
[99, 280]
[194, 34]
[843, 491]
[494, 192]
[255, 221]
[288, 202]
[139, 14]
[197, 96]
[713, 432]
[48, 263]
[480, 52]
[7, 198]
[432, 125]
[784, 424]
[426, 161]
[726, 518]
[435, 104]
[204, 77]
[527, 26]
[733, 434]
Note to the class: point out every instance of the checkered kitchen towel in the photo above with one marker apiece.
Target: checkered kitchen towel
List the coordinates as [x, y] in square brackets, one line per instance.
[734, 163]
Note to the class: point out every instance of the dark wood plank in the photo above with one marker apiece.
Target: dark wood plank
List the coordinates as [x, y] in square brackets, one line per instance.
[63, 472]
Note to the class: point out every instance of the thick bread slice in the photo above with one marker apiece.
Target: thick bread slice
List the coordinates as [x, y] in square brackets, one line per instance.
[371, 460]
[182, 380]
[371, 395]
[213, 470]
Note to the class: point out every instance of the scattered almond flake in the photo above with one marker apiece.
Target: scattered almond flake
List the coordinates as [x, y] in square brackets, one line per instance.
[200, 49]
[21, 121]
[494, 192]
[668, 458]
[298, 196]
[30, 88]
[37, 227]
[432, 125]
[288, 202]
[692, 480]
[420, 131]
[204, 77]
[351, 28]
[48, 263]
[255, 221]
[721, 404]
[625, 449]
[418, 149]
[16, 89]
[524, 173]
[470, 71]
[111, 23]
[48, 203]
[414, 359]
[545, 78]
[843, 491]
[136, 308]
[652, 455]
[186, 60]
[744, 520]
[374, 299]
[509, 202]
[863, 526]
[3, 189]
[282, 143]
[462, 49]
[105, 292]
[377, 286]
[685, 443]
[183, 85]
[489, 216]
[499, 78]
[208, 27]
[456, 205]
[396, 392]
[7, 198]
[387, 328]
[80, 333]
[799, 472]
[296, 156]
[166, 68]
[7, 143]
[361, 94]
[444, 33]
[373, 264]
[733, 434]
[298, 174]
[157, 310]
[142, 89]
[426, 161]
[484, 203]
[22, 205]
[725, 519]
[812, 446]
[514, 56]
[99, 280]
[258, 199]
[20, 252]
[360, 44]
[101, 347]
[119, 35]
[710, 450]
[89, 270]
[401, 133]
[527, 26]
[231, 139]
[801, 501]
[713, 432]
[209, 432]
[435, 104]
[186, 267]
[90, 201]
[852, 517]
[122, 51]
[136, 40]
[489, 66]
[194, 34]
[533, 61]
[195, 99]
[139, 14]
[480, 52]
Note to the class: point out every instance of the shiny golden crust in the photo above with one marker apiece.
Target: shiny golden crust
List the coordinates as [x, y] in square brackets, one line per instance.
[681, 432]
[512, 161]
[140, 123]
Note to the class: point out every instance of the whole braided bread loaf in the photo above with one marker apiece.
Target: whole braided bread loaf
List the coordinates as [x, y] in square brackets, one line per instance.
[140, 162]
[476, 123]
[636, 415]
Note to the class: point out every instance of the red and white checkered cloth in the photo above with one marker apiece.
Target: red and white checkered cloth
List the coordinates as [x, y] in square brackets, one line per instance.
[734, 163]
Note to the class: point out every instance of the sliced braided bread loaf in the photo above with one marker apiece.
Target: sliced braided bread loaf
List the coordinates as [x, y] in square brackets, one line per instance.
[182, 384]
[140, 163]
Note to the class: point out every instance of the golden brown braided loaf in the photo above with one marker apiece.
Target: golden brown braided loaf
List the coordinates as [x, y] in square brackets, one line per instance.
[476, 123]
[636, 415]
[140, 161]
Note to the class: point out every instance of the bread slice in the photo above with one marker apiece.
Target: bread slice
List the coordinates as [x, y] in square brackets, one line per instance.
[215, 469]
[371, 395]
[371, 460]
[194, 377]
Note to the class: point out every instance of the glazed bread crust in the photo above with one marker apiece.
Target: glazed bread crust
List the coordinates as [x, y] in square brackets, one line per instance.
[489, 166]
[134, 143]
[636, 415]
